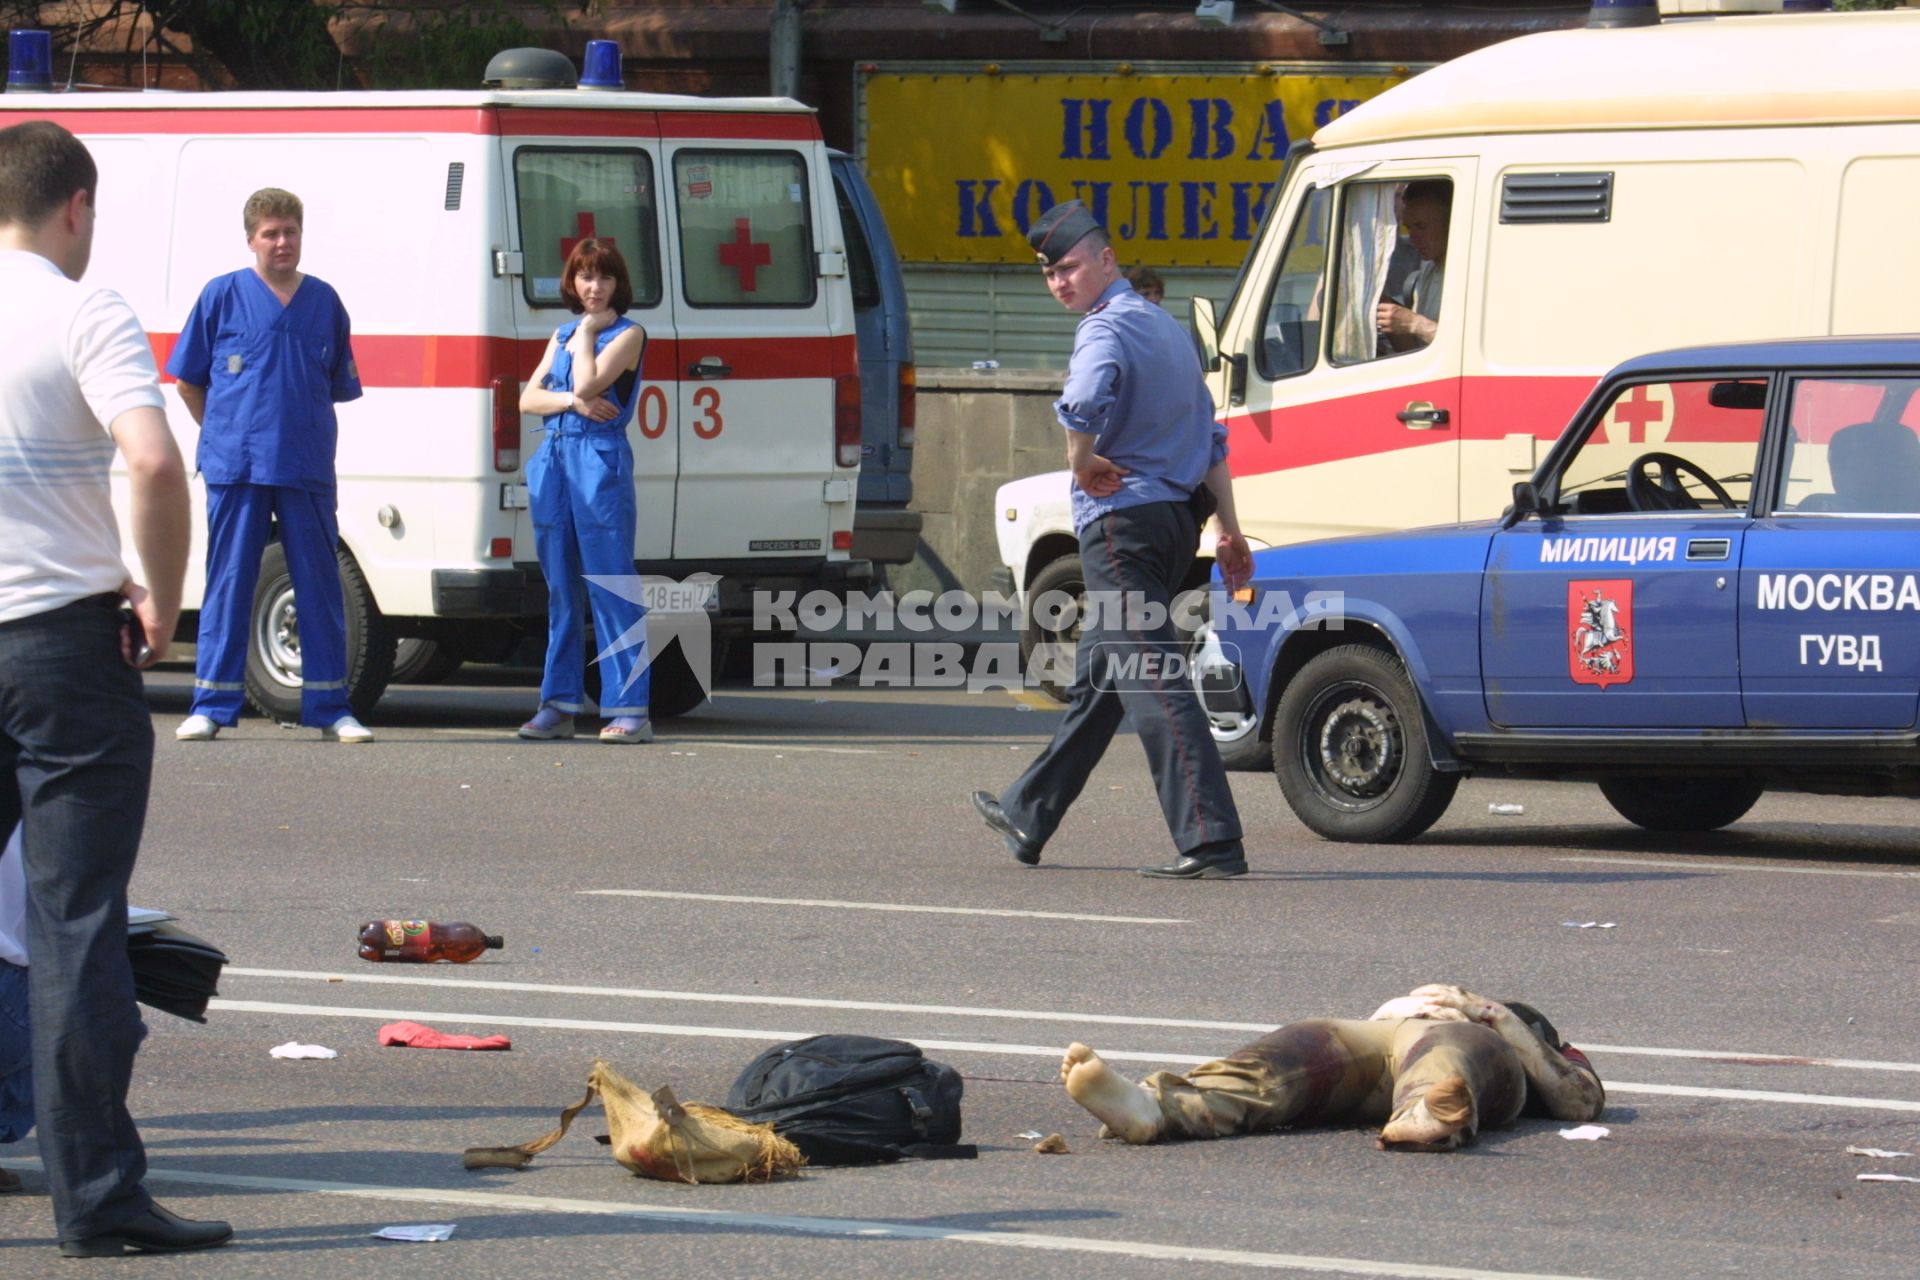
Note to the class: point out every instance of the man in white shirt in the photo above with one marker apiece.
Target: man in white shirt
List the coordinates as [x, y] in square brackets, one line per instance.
[76, 739]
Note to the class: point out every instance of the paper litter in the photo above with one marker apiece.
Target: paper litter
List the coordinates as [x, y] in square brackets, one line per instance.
[294, 1049]
[425, 1233]
[1586, 1132]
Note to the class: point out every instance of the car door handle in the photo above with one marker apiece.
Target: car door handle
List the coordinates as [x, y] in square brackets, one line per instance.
[1420, 415]
[710, 367]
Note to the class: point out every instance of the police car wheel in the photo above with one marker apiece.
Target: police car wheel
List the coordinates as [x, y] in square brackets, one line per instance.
[1054, 634]
[273, 647]
[1681, 803]
[1351, 753]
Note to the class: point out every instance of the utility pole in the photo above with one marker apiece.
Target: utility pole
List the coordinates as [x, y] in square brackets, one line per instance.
[784, 49]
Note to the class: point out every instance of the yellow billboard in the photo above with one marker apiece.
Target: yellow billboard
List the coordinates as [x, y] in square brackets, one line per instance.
[1179, 166]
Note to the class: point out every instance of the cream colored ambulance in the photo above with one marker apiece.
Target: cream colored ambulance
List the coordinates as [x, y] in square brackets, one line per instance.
[1607, 191]
[443, 219]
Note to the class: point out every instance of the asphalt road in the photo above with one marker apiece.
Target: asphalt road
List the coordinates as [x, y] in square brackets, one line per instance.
[788, 862]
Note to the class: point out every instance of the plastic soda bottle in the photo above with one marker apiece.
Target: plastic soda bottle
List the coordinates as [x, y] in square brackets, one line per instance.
[423, 941]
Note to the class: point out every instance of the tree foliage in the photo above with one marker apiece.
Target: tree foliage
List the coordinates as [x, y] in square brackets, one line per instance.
[293, 44]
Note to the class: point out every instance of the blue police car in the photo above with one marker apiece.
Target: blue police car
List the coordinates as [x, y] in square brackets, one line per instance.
[1709, 588]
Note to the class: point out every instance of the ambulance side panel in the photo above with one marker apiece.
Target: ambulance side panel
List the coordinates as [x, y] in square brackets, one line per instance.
[413, 276]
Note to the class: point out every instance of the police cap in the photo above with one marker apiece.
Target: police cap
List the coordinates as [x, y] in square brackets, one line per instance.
[1060, 228]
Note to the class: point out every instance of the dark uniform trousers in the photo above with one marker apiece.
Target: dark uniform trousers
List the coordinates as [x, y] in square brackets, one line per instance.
[1139, 554]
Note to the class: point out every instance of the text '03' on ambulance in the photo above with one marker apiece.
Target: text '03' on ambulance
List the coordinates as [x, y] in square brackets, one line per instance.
[1535, 212]
[443, 219]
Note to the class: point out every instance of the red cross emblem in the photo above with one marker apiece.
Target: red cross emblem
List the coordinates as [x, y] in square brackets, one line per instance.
[1636, 413]
[744, 255]
[583, 223]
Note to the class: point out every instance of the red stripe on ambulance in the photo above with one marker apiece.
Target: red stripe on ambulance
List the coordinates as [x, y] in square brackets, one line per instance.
[450, 360]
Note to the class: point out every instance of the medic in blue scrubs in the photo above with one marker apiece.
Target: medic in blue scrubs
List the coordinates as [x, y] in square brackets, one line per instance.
[580, 491]
[263, 359]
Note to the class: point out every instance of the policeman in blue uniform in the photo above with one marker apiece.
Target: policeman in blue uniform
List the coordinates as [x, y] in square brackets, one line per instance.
[263, 359]
[1149, 464]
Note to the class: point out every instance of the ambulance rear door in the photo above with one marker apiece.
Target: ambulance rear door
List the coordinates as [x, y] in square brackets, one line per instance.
[1334, 426]
[763, 333]
[571, 175]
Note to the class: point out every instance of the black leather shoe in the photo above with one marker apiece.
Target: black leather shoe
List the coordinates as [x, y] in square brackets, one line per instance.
[1223, 865]
[987, 805]
[9, 1181]
[155, 1231]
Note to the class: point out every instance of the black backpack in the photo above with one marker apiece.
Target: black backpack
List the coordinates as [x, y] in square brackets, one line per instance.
[854, 1100]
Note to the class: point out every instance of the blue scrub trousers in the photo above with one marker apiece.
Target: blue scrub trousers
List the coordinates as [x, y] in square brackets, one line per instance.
[239, 518]
[580, 490]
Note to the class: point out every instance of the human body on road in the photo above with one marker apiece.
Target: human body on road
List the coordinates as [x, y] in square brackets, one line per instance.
[580, 490]
[1432, 1068]
[76, 738]
[265, 355]
[1147, 458]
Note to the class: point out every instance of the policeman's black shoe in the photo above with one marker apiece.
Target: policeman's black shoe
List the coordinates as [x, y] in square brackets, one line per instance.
[1209, 862]
[987, 805]
[156, 1231]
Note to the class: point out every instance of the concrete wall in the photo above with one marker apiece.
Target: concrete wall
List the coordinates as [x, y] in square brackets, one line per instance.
[976, 430]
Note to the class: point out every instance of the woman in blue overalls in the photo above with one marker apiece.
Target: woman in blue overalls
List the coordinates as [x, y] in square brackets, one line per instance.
[580, 490]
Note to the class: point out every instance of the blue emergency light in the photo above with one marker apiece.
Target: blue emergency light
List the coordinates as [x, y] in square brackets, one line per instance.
[29, 62]
[602, 67]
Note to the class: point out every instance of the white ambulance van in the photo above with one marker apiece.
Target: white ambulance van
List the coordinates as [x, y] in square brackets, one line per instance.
[443, 219]
[1608, 191]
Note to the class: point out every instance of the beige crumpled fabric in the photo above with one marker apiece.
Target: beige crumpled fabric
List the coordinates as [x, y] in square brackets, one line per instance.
[657, 1136]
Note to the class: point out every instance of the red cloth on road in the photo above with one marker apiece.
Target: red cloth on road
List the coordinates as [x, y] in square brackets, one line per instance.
[418, 1036]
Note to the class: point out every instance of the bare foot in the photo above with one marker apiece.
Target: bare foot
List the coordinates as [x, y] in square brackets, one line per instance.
[1123, 1106]
[1439, 1120]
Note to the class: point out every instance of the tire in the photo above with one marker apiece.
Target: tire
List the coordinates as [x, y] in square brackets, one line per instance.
[675, 690]
[1681, 803]
[1058, 647]
[1350, 749]
[417, 660]
[273, 648]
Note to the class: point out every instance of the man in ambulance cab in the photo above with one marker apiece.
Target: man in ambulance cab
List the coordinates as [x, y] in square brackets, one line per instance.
[263, 359]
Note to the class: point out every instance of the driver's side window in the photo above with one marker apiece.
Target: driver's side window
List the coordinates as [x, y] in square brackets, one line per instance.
[1668, 446]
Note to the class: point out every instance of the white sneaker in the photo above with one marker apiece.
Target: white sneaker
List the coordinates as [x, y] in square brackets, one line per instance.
[197, 728]
[347, 729]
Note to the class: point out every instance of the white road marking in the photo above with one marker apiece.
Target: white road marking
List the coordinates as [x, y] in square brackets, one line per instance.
[494, 1021]
[710, 997]
[1742, 866]
[970, 1011]
[879, 906]
[850, 1228]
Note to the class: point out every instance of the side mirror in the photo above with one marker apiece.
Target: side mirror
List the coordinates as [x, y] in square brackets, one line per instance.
[1526, 502]
[1206, 331]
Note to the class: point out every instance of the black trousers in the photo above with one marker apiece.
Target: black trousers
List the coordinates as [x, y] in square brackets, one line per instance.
[1134, 558]
[76, 755]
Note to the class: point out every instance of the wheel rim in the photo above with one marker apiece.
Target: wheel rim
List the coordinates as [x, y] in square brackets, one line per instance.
[277, 638]
[1058, 652]
[1228, 727]
[1352, 746]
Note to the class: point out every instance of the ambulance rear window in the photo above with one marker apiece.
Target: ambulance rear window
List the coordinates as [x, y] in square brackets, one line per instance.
[746, 236]
[566, 195]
